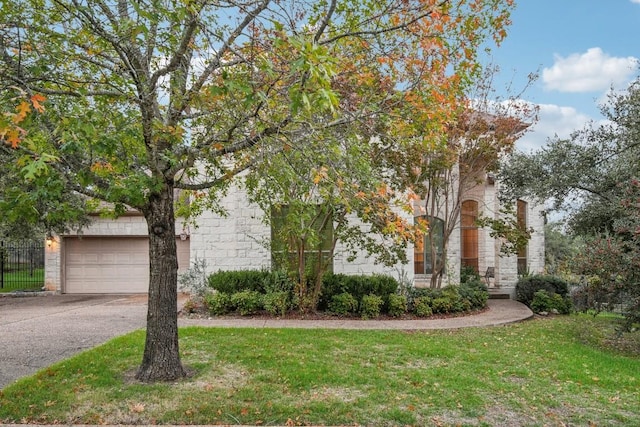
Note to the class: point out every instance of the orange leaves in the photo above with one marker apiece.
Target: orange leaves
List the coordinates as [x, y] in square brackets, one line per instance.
[37, 101]
[10, 132]
[320, 175]
[13, 136]
[101, 167]
[22, 109]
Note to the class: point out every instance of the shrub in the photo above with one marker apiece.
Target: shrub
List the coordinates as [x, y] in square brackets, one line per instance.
[276, 303]
[218, 303]
[468, 274]
[442, 305]
[278, 281]
[528, 286]
[370, 306]
[247, 302]
[397, 305]
[343, 304]
[194, 280]
[475, 292]
[422, 306]
[191, 306]
[358, 286]
[232, 282]
[543, 301]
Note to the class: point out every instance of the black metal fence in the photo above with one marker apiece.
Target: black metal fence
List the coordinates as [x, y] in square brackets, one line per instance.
[21, 264]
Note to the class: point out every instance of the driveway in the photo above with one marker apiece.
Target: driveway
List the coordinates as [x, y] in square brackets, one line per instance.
[38, 331]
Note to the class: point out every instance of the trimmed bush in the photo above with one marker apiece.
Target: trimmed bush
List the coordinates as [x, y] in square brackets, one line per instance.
[247, 302]
[276, 303]
[475, 292]
[370, 306]
[543, 301]
[343, 304]
[397, 305]
[358, 286]
[278, 281]
[422, 306]
[232, 282]
[528, 286]
[218, 303]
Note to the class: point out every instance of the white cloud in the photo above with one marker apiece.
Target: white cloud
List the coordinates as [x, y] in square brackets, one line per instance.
[554, 120]
[635, 1]
[591, 71]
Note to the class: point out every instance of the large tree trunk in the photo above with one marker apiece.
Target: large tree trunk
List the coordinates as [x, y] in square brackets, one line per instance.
[161, 360]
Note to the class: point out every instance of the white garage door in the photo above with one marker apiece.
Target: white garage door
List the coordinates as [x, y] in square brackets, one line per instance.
[111, 264]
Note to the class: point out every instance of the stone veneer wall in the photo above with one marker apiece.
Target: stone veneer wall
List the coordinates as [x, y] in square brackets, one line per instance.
[239, 241]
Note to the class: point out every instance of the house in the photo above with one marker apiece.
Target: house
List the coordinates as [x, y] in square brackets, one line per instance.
[111, 255]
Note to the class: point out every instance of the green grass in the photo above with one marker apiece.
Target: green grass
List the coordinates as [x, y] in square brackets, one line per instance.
[22, 279]
[536, 373]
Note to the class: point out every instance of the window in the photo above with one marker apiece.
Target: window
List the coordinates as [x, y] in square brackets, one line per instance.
[521, 215]
[469, 234]
[422, 250]
[287, 229]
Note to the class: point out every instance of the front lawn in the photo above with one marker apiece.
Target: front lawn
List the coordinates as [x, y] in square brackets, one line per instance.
[537, 373]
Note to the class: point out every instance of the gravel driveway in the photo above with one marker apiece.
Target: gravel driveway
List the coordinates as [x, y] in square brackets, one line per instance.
[40, 330]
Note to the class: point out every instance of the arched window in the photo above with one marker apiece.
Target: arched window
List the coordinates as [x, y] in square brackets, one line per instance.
[469, 234]
[521, 214]
[423, 256]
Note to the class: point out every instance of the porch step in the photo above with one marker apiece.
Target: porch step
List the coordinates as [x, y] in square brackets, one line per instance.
[498, 294]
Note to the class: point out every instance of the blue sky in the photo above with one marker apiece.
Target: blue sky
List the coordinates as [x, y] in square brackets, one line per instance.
[579, 48]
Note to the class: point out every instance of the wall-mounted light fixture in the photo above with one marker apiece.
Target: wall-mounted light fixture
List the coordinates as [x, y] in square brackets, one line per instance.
[185, 234]
[50, 240]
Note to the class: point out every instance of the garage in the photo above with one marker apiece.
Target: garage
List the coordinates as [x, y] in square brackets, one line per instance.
[111, 264]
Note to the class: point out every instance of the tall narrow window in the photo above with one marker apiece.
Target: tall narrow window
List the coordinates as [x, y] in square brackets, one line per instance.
[428, 247]
[521, 214]
[469, 234]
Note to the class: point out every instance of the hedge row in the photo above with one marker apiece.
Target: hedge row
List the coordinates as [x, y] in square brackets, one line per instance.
[249, 292]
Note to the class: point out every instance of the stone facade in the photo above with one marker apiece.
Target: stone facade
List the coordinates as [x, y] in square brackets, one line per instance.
[240, 240]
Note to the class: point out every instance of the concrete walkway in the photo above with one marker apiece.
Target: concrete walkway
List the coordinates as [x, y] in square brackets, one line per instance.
[500, 312]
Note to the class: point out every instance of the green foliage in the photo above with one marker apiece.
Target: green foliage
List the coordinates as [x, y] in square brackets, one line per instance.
[278, 281]
[242, 280]
[468, 273]
[422, 306]
[277, 303]
[343, 304]
[397, 305]
[218, 303]
[471, 295]
[247, 302]
[543, 301]
[370, 306]
[475, 292]
[559, 248]
[507, 230]
[356, 285]
[528, 286]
